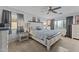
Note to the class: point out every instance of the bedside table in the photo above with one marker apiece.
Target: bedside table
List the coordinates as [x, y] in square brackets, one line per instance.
[23, 36]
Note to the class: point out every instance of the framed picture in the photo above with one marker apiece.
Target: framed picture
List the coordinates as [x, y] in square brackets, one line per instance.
[77, 19]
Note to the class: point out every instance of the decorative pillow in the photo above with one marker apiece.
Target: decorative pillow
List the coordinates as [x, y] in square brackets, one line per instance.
[38, 28]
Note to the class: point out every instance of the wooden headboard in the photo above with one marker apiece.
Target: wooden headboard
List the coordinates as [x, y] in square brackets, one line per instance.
[31, 25]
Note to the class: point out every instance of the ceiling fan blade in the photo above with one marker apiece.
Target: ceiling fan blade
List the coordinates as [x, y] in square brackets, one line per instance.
[56, 8]
[54, 11]
[60, 13]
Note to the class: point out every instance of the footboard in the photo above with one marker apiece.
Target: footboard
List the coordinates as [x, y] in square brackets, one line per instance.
[52, 41]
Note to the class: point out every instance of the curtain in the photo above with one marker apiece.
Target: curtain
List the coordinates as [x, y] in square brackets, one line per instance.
[6, 16]
[6, 19]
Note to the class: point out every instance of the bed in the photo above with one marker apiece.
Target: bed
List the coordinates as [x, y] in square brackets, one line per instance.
[44, 36]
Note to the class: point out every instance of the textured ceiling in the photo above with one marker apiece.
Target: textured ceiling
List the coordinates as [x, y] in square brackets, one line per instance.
[42, 10]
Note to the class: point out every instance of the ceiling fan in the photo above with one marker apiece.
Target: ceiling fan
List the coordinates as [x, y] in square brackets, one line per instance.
[50, 9]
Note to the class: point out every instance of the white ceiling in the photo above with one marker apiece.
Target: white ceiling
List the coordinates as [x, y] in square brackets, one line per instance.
[42, 10]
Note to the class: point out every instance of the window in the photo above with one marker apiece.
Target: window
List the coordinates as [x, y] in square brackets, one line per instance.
[60, 24]
[14, 22]
[14, 25]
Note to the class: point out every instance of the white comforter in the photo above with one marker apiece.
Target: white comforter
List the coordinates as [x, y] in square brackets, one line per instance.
[44, 33]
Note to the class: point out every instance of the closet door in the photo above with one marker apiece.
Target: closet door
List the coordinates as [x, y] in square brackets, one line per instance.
[69, 22]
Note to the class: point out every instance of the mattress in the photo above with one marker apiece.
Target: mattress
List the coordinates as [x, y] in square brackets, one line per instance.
[44, 33]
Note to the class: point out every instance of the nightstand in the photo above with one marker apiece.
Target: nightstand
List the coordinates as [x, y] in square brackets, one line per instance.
[23, 36]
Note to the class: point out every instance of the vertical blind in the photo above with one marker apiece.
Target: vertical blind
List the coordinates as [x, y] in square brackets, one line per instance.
[60, 24]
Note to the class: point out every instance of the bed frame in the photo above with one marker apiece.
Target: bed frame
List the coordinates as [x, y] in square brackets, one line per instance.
[47, 42]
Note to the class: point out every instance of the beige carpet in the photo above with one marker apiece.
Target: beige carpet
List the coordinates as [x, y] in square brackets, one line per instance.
[63, 45]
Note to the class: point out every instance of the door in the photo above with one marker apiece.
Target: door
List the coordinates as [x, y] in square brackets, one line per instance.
[69, 22]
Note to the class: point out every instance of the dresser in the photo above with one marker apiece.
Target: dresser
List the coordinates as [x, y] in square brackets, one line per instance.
[75, 31]
[4, 39]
